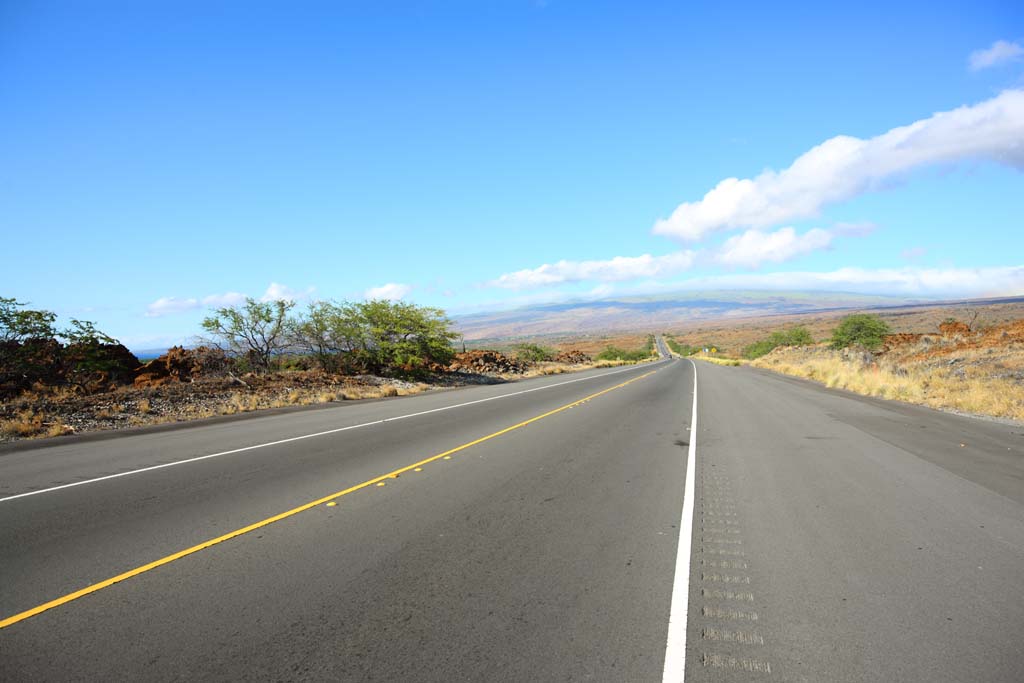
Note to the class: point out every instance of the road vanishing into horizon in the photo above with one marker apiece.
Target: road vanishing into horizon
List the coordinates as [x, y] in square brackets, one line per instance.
[562, 528]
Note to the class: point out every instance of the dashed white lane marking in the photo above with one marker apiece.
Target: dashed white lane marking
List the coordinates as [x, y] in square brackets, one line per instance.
[675, 646]
[308, 436]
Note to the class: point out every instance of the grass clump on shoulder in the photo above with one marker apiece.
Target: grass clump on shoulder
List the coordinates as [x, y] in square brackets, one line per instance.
[717, 360]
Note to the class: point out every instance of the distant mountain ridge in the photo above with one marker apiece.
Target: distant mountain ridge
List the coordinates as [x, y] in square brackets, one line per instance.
[651, 312]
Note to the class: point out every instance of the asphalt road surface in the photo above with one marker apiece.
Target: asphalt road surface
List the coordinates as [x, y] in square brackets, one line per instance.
[526, 532]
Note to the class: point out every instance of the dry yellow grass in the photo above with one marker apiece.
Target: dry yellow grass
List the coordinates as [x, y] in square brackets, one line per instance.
[718, 360]
[25, 423]
[982, 395]
[57, 429]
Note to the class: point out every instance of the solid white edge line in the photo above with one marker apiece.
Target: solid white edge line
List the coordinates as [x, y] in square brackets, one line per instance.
[310, 436]
[675, 646]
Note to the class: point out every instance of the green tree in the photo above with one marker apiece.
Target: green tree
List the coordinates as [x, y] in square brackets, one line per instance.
[17, 325]
[29, 352]
[94, 358]
[400, 337]
[330, 333]
[861, 329]
[255, 332]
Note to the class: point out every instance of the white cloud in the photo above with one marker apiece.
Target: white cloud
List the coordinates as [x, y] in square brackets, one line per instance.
[612, 270]
[278, 292]
[862, 229]
[754, 247]
[392, 291]
[844, 167]
[913, 253]
[1001, 51]
[914, 281]
[222, 300]
[169, 305]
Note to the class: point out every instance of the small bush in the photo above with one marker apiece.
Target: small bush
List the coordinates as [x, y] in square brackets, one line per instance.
[533, 353]
[860, 329]
[758, 349]
[615, 353]
[796, 336]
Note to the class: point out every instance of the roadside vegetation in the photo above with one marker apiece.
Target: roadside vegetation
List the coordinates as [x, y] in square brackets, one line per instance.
[33, 351]
[961, 367]
[796, 336]
[682, 349]
[379, 337]
[534, 353]
[614, 353]
[254, 356]
[861, 329]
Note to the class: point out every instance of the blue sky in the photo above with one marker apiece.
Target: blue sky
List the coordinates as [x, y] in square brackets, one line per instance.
[159, 159]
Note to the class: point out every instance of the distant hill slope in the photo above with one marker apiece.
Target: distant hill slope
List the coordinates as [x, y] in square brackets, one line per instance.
[654, 312]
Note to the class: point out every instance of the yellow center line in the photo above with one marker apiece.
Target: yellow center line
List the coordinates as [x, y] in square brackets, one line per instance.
[294, 511]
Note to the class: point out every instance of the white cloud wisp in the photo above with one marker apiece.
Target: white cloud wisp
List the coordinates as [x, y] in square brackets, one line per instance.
[913, 281]
[755, 247]
[171, 305]
[392, 291]
[615, 269]
[999, 52]
[844, 167]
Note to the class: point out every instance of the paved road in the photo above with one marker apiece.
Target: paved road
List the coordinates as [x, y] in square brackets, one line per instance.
[834, 538]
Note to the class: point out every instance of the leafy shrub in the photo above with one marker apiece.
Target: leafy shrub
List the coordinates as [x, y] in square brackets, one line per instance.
[390, 337]
[796, 336]
[615, 353]
[30, 352]
[860, 329]
[533, 353]
[256, 331]
[758, 349]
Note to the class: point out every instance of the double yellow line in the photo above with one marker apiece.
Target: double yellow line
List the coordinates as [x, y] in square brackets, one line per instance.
[290, 513]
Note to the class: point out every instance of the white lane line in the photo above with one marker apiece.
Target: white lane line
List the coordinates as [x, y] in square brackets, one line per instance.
[675, 646]
[308, 436]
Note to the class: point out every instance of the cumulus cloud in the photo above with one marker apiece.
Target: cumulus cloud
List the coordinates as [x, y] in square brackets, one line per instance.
[913, 281]
[392, 291]
[844, 167]
[755, 247]
[615, 269]
[1000, 51]
[222, 300]
[278, 292]
[169, 305]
